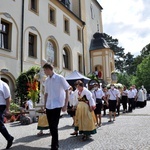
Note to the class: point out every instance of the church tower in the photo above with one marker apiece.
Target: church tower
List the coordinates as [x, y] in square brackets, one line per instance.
[102, 58]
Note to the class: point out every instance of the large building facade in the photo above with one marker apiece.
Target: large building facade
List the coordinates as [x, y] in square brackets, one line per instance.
[59, 31]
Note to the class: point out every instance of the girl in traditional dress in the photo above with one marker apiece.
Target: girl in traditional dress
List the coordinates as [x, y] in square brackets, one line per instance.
[85, 117]
[70, 109]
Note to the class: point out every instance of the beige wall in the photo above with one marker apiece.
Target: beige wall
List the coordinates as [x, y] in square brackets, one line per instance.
[91, 25]
[104, 58]
[38, 24]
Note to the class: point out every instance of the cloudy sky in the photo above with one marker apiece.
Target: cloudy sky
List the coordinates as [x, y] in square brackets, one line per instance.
[128, 21]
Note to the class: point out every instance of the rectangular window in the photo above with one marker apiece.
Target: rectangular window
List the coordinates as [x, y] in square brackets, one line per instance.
[66, 25]
[80, 63]
[52, 15]
[5, 34]
[34, 6]
[79, 34]
[32, 45]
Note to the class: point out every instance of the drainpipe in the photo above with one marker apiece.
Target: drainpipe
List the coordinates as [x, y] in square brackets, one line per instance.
[80, 9]
[83, 49]
[22, 28]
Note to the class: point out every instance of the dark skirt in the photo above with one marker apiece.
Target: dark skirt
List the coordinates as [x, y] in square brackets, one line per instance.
[140, 104]
[112, 105]
[98, 108]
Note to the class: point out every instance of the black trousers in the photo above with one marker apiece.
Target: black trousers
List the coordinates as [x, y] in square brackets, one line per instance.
[3, 129]
[53, 116]
[131, 104]
[124, 102]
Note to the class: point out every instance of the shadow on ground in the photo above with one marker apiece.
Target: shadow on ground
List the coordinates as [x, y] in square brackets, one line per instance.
[23, 147]
[74, 142]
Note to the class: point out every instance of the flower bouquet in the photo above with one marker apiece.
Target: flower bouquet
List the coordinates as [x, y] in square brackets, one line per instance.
[33, 91]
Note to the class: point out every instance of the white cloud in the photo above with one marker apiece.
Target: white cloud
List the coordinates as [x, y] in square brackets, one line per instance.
[128, 21]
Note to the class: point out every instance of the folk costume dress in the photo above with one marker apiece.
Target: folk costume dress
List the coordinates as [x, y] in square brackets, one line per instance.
[85, 119]
[42, 122]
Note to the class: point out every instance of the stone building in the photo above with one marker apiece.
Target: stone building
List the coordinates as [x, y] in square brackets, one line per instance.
[60, 31]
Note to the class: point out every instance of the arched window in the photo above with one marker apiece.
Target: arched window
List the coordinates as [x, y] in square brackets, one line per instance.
[98, 71]
[51, 53]
[66, 59]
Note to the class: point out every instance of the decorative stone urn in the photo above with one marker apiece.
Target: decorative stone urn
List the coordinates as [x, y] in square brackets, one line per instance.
[114, 77]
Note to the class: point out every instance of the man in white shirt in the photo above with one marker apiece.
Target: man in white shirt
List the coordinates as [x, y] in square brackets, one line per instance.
[135, 92]
[98, 95]
[113, 101]
[5, 99]
[56, 99]
[131, 98]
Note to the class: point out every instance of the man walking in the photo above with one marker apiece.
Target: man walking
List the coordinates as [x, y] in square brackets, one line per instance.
[56, 98]
[5, 99]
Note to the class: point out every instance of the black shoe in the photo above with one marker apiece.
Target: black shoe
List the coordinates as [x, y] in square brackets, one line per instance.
[9, 143]
[74, 133]
[84, 138]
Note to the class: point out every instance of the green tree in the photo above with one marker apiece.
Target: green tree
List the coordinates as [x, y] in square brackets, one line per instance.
[124, 79]
[129, 66]
[122, 60]
[145, 51]
[137, 60]
[143, 73]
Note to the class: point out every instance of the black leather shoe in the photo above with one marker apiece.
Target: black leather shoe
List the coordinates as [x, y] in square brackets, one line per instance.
[74, 133]
[9, 143]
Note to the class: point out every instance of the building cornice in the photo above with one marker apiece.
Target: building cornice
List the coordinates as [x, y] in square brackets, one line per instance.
[61, 6]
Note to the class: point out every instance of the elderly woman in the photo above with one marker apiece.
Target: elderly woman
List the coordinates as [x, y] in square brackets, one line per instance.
[85, 118]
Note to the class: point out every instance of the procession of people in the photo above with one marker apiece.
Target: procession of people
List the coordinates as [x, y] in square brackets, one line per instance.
[83, 105]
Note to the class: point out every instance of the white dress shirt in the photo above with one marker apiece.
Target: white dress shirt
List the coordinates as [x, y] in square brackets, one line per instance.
[131, 94]
[55, 87]
[98, 94]
[4, 92]
[113, 94]
[135, 91]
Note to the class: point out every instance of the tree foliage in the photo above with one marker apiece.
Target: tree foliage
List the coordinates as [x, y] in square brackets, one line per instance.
[145, 51]
[143, 73]
[123, 78]
[122, 60]
[21, 83]
[138, 59]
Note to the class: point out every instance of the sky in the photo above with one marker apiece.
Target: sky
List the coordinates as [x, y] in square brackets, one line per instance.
[128, 21]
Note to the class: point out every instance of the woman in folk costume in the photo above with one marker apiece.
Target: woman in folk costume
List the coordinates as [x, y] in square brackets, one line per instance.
[85, 117]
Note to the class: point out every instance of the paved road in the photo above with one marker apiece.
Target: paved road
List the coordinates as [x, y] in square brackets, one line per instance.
[130, 131]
